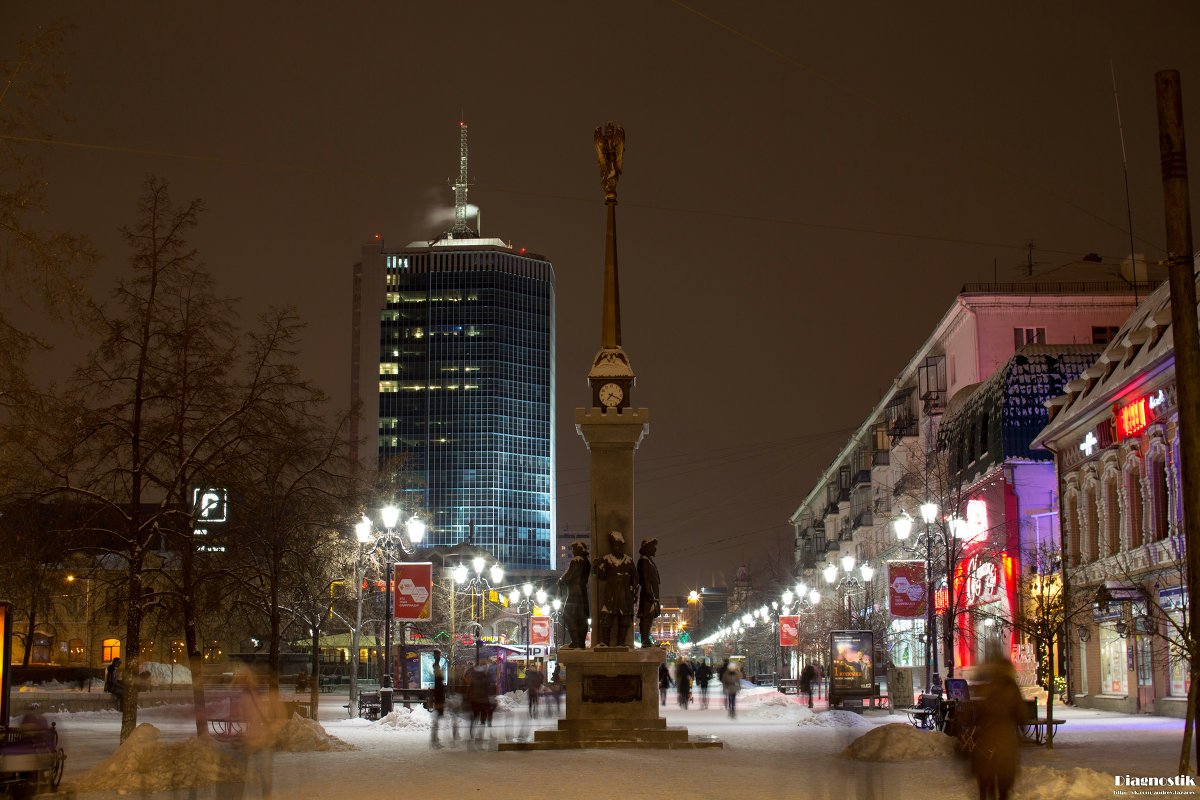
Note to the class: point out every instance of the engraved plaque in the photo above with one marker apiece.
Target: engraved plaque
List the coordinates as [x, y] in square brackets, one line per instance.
[612, 688]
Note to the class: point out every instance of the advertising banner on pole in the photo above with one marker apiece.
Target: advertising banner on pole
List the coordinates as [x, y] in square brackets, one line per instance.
[539, 630]
[413, 590]
[789, 631]
[906, 589]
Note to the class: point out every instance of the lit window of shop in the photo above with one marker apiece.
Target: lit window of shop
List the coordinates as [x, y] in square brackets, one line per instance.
[110, 649]
[1114, 677]
[212, 651]
[178, 651]
[1179, 677]
[75, 651]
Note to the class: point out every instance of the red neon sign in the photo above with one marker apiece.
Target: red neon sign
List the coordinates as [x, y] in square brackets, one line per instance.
[941, 600]
[1132, 419]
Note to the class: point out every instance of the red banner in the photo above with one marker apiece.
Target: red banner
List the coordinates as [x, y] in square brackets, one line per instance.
[539, 630]
[412, 589]
[789, 631]
[906, 589]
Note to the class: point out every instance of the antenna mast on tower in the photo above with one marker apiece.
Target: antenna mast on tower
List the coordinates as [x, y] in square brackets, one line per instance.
[461, 230]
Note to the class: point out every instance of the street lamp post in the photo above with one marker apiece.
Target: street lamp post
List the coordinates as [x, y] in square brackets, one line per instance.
[415, 532]
[903, 528]
[477, 583]
[849, 583]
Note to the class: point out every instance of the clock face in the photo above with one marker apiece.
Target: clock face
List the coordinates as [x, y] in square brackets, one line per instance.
[611, 395]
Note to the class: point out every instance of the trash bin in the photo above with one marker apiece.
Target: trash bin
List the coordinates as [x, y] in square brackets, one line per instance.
[385, 701]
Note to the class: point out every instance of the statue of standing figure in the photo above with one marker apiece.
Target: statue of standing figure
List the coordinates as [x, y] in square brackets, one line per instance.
[574, 585]
[649, 607]
[617, 594]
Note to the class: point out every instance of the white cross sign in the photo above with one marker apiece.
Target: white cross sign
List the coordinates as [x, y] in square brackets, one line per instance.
[1089, 443]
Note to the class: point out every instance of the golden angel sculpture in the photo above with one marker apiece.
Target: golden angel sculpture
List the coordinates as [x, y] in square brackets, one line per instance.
[610, 148]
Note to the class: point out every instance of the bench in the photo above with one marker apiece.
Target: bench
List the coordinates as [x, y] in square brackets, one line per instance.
[327, 684]
[227, 729]
[368, 705]
[927, 714]
[407, 697]
[1035, 727]
[789, 686]
[31, 762]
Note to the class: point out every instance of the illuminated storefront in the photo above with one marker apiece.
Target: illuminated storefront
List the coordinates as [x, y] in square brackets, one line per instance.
[1114, 433]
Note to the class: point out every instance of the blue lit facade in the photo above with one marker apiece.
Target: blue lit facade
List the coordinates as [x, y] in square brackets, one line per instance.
[466, 394]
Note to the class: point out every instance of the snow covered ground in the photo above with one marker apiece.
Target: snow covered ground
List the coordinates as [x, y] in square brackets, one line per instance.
[774, 749]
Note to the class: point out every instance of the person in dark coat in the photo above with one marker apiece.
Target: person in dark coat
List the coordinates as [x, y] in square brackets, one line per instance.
[808, 676]
[439, 698]
[995, 744]
[683, 682]
[113, 683]
[664, 683]
[535, 679]
[704, 676]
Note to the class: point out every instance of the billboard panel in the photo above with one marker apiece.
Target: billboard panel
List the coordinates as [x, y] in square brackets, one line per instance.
[412, 590]
[851, 671]
[539, 630]
[907, 594]
[789, 631]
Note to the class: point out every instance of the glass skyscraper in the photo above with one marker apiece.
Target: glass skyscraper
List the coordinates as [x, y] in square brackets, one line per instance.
[465, 390]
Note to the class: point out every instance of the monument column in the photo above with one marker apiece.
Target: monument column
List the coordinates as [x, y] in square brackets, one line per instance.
[612, 687]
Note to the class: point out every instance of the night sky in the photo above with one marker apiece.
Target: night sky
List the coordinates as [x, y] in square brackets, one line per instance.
[806, 188]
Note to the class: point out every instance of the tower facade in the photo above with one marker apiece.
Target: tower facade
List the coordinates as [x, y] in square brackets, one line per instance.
[460, 377]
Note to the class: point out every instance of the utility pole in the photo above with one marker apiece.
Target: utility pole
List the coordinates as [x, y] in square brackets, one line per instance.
[1181, 274]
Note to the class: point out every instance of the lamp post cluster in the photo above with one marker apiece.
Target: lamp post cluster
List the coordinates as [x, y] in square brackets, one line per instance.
[368, 542]
[847, 582]
[474, 582]
[903, 525]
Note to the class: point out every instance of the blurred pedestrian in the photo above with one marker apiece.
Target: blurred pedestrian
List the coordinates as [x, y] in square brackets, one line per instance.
[534, 681]
[808, 676]
[704, 675]
[114, 683]
[439, 698]
[731, 681]
[683, 682]
[262, 726]
[993, 746]
[664, 683]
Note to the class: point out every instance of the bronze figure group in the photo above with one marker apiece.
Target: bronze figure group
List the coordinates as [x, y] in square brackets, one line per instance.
[623, 584]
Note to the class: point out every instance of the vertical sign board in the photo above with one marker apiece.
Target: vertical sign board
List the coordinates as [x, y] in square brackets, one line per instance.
[907, 593]
[539, 630]
[789, 630]
[851, 671]
[413, 589]
[5, 659]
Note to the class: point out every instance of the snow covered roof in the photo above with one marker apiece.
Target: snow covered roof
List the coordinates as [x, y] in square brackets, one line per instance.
[1016, 394]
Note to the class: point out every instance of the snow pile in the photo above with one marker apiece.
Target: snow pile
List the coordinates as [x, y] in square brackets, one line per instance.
[836, 719]
[166, 674]
[301, 735]
[899, 741]
[97, 685]
[776, 706]
[1045, 783]
[144, 764]
[513, 701]
[401, 718]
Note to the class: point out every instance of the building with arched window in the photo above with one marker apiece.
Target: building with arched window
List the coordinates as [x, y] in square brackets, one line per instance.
[1115, 439]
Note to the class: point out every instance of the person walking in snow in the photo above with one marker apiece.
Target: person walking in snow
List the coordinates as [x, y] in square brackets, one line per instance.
[808, 677]
[731, 681]
[683, 682]
[704, 675]
[439, 698]
[664, 683]
[113, 683]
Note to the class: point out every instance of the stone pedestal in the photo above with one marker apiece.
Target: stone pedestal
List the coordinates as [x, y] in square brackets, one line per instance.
[612, 701]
